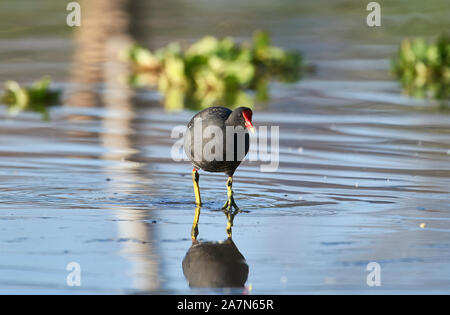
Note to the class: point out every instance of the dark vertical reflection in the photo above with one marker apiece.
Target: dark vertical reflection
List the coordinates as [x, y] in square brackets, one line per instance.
[103, 22]
[97, 74]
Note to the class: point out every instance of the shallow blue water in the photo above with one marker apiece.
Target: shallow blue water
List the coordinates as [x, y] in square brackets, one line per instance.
[364, 171]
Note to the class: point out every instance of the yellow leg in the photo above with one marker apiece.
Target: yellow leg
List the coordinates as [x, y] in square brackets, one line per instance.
[194, 231]
[230, 201]
[230, 218]
[195, 178]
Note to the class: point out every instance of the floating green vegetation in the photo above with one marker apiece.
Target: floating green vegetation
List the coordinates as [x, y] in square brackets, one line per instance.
[213, 71]
[424, 68]
[36, 98]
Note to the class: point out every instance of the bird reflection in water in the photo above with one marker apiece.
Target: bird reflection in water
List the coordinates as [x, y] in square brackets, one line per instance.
[215, 264]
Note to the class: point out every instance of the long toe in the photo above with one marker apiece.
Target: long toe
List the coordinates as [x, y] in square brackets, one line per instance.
[227, 205]
[234, 205]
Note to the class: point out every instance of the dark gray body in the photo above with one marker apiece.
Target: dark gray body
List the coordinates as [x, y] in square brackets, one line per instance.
[215, 265]
[237, 142]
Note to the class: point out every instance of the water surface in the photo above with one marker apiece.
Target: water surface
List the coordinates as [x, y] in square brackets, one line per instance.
[364, 171]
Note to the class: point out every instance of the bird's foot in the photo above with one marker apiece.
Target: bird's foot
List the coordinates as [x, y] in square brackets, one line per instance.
[230, 204]
[194, 231]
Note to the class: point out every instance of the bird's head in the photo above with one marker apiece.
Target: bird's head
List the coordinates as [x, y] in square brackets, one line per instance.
[244, 115]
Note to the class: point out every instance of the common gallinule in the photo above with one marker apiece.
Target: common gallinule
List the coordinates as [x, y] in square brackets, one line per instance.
[217, 141]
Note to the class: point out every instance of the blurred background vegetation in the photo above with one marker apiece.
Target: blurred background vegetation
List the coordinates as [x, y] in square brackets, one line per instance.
[424, 68]
[213, 71]
[227, 67]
